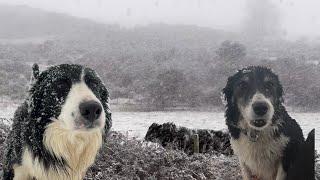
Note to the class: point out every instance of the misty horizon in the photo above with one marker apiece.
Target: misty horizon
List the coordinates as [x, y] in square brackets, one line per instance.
[284, 18]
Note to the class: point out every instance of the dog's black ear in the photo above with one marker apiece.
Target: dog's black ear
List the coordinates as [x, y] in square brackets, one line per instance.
[224, 95]
[34, 75]
[227, 92]
[108, 115]
[223, 98]
[280, 91]
[35, 71]
[279, 88]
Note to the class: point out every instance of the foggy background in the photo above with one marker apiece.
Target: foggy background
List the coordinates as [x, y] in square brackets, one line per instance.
[164, 54]
[292, 18]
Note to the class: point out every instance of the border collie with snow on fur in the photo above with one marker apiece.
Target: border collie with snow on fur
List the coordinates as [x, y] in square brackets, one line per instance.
[263, 136]
[58, 130]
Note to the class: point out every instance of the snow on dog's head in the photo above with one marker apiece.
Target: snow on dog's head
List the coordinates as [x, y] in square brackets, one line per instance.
[71, 94]
[253, 94]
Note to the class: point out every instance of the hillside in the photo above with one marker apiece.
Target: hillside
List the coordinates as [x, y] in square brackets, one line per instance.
[144, 64]
[26, 22]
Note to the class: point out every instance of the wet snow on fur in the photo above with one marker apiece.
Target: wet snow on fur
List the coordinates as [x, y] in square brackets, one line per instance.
[128, 158]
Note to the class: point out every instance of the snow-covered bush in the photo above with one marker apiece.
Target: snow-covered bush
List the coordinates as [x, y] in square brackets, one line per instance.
[126, 158]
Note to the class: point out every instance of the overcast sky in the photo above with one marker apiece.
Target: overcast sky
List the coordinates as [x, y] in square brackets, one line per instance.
[297, 17]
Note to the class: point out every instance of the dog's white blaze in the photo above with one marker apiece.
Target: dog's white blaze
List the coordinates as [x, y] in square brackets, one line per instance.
[263, 157]
[78, 147]
[79, 92]
[249, 115]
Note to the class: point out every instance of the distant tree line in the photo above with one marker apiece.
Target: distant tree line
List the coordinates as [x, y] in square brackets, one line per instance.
[164, 72]
[13, 79]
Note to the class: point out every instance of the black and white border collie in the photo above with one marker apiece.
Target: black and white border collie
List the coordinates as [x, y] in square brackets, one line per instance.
[263, 136]
[58, 130]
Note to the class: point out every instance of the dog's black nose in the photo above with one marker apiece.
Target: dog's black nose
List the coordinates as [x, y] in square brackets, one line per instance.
[260, 108]
[259, 122]
[90, 110]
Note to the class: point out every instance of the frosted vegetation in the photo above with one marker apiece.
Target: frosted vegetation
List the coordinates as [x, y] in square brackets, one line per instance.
[155, 67]
[128, 158]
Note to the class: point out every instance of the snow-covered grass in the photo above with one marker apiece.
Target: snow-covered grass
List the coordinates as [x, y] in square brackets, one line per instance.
[123, 158]
[128, 158]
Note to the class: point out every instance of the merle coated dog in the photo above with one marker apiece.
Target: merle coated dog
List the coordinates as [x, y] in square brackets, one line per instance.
[263, 136]
[58, 130]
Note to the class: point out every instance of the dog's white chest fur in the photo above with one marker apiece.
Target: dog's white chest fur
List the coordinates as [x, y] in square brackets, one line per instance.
[78, 149]
[261, 158]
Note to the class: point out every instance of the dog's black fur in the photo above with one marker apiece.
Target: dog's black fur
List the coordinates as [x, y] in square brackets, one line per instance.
[169, 135]
[47, 94]
[289, 128]
[303, 167]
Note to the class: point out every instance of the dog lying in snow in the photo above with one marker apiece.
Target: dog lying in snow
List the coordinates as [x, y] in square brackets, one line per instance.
[263, 136]
[169, 135]
[58, 130]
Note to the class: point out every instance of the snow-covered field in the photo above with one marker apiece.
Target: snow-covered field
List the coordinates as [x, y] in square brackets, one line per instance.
[135, 124]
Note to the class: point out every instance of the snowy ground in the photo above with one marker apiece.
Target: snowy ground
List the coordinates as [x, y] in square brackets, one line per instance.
[123, 157]
[135, 124]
